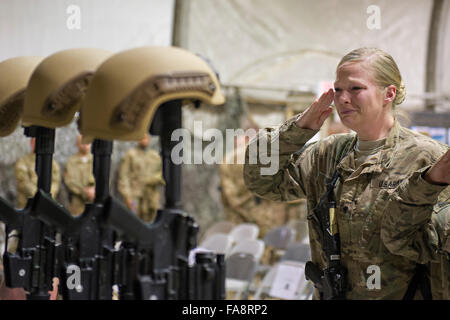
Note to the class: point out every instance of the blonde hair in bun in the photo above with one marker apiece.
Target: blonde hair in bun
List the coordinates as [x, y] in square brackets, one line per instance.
[401, 94]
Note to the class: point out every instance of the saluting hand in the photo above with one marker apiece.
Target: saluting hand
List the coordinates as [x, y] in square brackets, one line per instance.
[314, 117]
[439, 173]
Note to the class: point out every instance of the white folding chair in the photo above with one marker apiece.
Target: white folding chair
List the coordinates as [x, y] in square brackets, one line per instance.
[280, 237]
[301, 291]
[301, 229]
[218, 243]
[244, 231]
[218, 227]
[251, 246]
[277, 238]
[240, 270]
[297, 251]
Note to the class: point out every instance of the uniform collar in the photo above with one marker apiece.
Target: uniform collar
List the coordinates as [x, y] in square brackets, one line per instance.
[377, 162]
[390, 149]
[141, 150]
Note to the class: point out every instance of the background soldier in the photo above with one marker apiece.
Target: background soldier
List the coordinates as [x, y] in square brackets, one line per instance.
[79, 178]
[26, 177]
[242, 206]
[140, 176]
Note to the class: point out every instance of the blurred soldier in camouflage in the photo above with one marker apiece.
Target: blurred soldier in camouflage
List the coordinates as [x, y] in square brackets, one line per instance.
[79, 178]
[242, 206]
[140, 176]
[26, 177]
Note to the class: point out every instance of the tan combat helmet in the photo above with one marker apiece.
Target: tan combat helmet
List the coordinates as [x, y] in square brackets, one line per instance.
[128, 88]
[14, 76]
[58, 84]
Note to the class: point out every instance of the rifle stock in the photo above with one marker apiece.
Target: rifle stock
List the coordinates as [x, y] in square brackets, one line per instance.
[9, 215]
[53, 214]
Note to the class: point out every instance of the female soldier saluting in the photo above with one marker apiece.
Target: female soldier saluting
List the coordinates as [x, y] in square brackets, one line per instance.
[373, 166]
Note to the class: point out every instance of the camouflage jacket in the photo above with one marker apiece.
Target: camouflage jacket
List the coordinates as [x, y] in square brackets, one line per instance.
[416, 227]
[78, 174]
[26, 178]
[362, 195]
[139, 170]
[440, 268]
[242, 206]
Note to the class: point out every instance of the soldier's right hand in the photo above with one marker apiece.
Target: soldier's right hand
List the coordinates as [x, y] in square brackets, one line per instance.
[314, 117]
[11, 293]
[131, 205]
[90, 193]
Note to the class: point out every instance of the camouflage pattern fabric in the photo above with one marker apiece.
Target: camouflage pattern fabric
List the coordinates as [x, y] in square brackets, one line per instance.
[363, 196]
[242, 206]
[416, 225]
[2, 243]
[140, 176]
[440, 268]
[78, 175]
[26, 179]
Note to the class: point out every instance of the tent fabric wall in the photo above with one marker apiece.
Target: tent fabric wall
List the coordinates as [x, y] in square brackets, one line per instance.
[46, 26]
[299, 42]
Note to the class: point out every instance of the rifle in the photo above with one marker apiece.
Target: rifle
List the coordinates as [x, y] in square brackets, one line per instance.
[332, 280]
[208, 277]
[151, 262]
[88, 245]
[154, 261]
[33, 264]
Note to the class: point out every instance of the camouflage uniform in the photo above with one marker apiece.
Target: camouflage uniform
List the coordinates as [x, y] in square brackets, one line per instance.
[419, 231]
[440, 267]
[2, 243]
[362, 196]
[77, 176]
[26, 179]
[242, 206]
[140, 175]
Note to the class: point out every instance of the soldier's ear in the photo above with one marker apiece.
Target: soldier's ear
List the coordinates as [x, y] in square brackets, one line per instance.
[389, 94]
